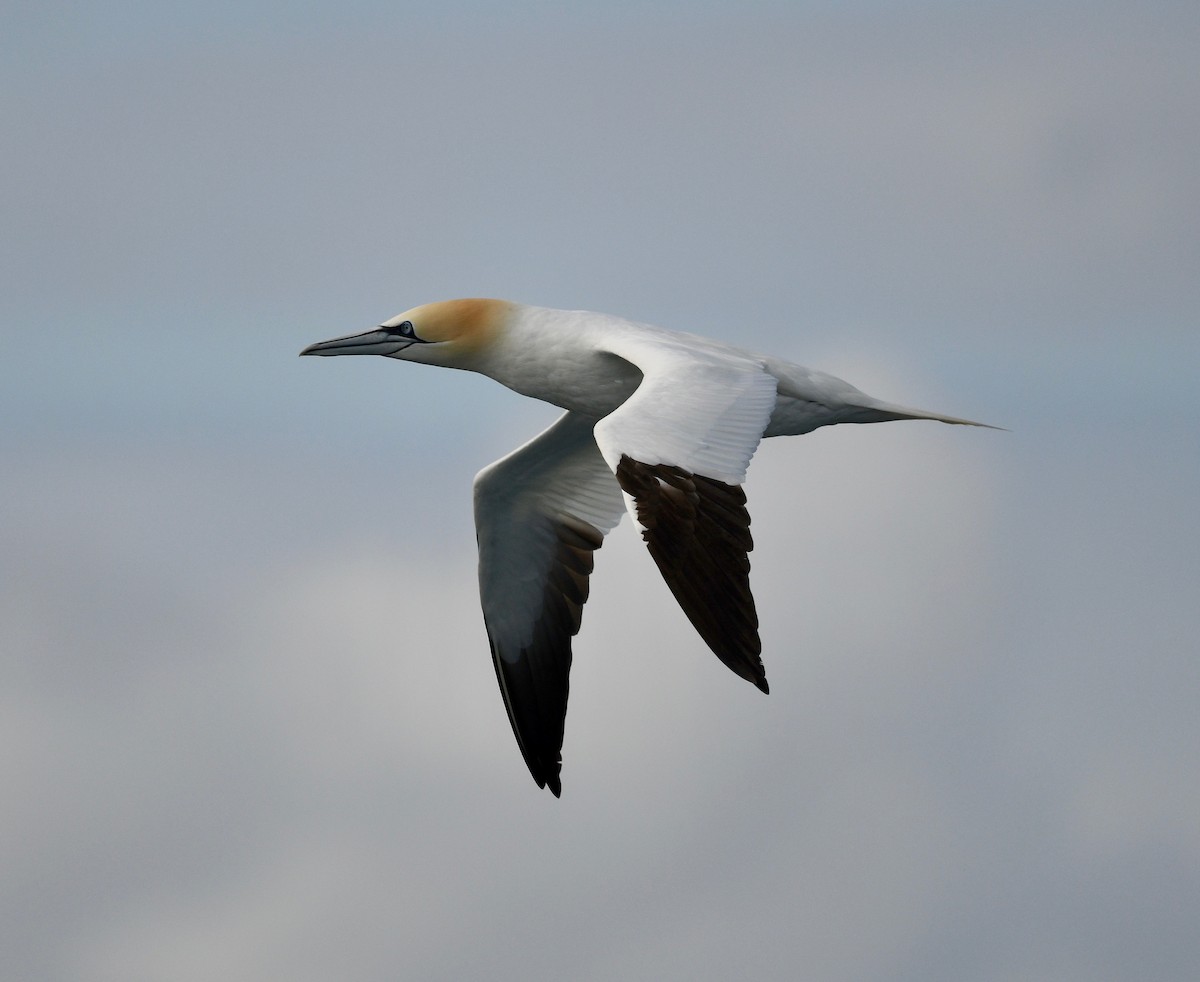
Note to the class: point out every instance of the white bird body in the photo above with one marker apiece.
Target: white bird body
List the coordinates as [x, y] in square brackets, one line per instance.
[659, 423]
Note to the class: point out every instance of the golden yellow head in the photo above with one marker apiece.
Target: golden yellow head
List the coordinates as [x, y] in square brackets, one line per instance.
[450, 333]
[469, 324]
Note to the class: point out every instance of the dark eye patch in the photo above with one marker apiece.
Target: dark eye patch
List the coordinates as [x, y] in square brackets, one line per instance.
[403, 330]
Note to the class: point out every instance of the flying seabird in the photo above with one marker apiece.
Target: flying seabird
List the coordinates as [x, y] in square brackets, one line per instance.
[657, 423]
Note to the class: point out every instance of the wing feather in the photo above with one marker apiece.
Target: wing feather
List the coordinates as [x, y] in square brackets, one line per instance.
[540, 513]
[699, 409]
[680, 446]
[697, 531]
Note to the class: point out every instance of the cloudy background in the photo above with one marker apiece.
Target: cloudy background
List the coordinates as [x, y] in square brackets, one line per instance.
[248, 724]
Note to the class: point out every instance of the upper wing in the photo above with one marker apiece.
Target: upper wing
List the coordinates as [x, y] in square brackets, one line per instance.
[680, 446]
[539, 514]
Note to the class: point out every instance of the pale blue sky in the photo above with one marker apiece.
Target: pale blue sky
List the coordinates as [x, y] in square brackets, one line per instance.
[249, 722]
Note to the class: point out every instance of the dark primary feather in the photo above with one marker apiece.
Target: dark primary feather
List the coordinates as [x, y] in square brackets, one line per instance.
[535, 680]
[698, 531]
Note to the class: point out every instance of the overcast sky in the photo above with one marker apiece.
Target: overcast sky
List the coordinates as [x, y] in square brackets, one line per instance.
[249, 728]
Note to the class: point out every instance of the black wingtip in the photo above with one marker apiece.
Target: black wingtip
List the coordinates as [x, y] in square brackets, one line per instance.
[762, 685]
[553, 782]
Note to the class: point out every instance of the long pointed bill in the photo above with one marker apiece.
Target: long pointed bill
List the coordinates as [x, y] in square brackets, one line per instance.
[378, 342]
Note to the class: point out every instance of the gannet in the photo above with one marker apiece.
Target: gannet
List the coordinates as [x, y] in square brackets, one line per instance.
[657, 423]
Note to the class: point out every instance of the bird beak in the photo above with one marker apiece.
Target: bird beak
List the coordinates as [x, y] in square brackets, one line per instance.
[377, 342]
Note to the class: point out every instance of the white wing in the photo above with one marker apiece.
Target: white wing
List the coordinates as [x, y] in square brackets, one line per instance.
[680, 446]
[697, 408]
[539, 514]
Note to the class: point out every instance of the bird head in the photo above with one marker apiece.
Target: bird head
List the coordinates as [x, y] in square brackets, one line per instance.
[447, 333]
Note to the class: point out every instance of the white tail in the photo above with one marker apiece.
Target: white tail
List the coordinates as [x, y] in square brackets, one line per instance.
[876, 411]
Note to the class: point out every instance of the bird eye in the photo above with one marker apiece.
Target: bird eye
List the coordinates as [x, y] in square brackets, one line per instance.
[404, 329]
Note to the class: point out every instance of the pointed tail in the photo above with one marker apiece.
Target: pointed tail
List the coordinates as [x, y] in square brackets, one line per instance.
[877, 411]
